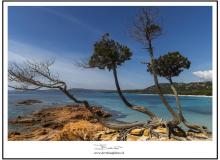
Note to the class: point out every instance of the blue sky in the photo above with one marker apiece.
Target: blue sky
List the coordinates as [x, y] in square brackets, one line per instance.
[68, 34]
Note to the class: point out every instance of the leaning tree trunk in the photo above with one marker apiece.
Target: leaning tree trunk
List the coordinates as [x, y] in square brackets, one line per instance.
[176, 117]
[104, 123]
[178, 105]
[202, 129]
[137, 108]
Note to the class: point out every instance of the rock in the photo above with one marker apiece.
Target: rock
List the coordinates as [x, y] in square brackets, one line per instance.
[72, 122]
[28, 102]
[76, 123]
[110, 131]
[153, 139]
[24, 120]
[83, 129]
[197, 135]
[143, 138]
[161, 130]
[69, 136]
[164, 139]
[179, 133]
[35, 134]
[79, 116]
[201, 135]
[137, 132]
[53, 137]
[97, 136]
[132, 138]
[109, 137]
[39, 131]
[53, 125]
[93, 120]
[14, 133]
[57, 115]
[100, 112]
[146, 132]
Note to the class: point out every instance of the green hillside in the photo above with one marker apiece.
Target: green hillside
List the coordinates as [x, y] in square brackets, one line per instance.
[194, 88]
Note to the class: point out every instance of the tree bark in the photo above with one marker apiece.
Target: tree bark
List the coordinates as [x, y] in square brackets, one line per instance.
[202, 129]
[179, 107]
[129, 105]
[169, 108]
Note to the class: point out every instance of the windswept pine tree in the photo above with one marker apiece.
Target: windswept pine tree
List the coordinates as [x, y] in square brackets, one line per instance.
[109, 54]
[146, 29]
[168, 66]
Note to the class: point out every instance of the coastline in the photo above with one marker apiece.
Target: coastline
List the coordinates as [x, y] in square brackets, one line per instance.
[173, 95]
[75, 123]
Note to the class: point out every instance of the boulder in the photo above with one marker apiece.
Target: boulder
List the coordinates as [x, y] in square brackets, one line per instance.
[146, 132]
[109, 137]
[83, 130]
[100, 112]
[109, 131]
[143, 138]
[164, 139]
[53, 137]
[137, 132]
[197, 135]
[28, 102]
[25, 120]
[14, 133]
[161, 130]
[132, 138]
[179, 133]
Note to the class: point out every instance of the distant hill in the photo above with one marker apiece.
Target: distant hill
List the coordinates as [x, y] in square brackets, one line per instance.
[193, 88]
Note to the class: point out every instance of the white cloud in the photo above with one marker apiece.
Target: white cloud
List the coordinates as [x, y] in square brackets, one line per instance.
[204, 75]
[74, 76]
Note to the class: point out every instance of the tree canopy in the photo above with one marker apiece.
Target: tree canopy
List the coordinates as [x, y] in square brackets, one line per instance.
[169, 65]
[108, 54]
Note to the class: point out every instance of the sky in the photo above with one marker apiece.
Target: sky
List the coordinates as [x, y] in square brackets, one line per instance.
[68, 34]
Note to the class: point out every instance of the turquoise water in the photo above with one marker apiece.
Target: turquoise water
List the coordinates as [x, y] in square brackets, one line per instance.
[196, 109]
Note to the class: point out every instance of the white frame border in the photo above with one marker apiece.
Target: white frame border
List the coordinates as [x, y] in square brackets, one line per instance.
[24, 149]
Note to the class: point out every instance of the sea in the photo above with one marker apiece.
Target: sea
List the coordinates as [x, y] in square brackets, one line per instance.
[195, 109]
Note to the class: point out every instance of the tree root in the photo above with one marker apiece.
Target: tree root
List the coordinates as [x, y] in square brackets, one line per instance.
[173, 131]
[123, 134]
[194, 127]
[121, 126]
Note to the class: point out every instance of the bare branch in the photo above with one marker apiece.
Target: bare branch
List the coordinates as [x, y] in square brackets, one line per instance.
[24, 88]
[30, 75]
[33, 76]
[146, 26]
[83, 63]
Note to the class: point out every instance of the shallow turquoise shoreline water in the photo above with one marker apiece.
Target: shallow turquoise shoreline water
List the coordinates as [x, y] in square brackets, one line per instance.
[196, 109]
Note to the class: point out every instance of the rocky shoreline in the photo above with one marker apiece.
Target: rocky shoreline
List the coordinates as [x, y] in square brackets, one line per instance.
[27, 102]
[76, 123]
